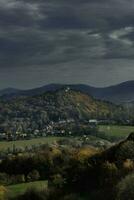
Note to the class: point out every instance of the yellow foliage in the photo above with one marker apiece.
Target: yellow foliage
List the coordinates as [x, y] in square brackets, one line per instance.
[128, 164]
[56, 151]
[3, 192]
[109, 166]
[85, 152]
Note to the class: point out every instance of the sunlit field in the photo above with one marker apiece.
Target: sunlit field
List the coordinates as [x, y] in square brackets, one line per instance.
[18, 189]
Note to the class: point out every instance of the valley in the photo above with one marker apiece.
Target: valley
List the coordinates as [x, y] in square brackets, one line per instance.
[63, 144]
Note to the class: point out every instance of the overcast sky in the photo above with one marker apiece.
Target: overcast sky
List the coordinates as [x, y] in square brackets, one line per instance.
[66, 41]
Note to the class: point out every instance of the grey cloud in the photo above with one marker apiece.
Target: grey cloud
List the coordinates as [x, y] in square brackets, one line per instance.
[97, 73]
[67, 14]
[59, 35]
[59, 46]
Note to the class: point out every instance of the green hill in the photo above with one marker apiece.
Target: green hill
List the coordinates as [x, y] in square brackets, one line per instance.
[31, 113]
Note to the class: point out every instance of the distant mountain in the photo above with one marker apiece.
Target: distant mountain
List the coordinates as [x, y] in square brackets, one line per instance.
[120, 93]
[9, 91]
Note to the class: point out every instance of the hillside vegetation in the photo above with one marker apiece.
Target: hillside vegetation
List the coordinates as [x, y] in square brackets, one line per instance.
[26, 114]
[79, 173]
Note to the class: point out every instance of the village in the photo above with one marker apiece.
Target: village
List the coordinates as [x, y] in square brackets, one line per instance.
[67, 127]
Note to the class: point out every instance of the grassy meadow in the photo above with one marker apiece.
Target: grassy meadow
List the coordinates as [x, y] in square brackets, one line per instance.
[18, 189]
[25, 143]
[115, 131]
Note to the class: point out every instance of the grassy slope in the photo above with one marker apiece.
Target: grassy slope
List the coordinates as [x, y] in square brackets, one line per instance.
[24, 143]
[18, 189]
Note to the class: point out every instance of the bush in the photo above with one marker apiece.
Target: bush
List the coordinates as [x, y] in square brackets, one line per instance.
[57, 181]
[4, 179]
[33, 176]
[17, 179]
[125, 151]
[126, 188]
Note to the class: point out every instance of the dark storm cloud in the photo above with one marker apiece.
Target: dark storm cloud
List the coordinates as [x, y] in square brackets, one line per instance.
[37, 47]
[48, 35]
[67, 14]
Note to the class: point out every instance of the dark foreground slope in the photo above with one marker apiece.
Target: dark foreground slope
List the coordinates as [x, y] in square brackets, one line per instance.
[80, 173]
[105, 175]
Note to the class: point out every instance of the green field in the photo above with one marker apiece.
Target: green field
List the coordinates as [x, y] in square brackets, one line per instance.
[4, 145]
[18, 189]
[116, 131]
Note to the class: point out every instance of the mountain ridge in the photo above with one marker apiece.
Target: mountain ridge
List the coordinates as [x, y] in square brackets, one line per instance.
[120, 93]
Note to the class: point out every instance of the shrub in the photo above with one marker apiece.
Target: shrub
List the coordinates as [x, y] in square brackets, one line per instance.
[128, 165]
[126, 188]
[4, 179]
[33, 176]
[57, 181]
[125, 151]
[109, 174]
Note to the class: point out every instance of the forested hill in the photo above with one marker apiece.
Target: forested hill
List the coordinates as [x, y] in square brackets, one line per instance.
[32, 113]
